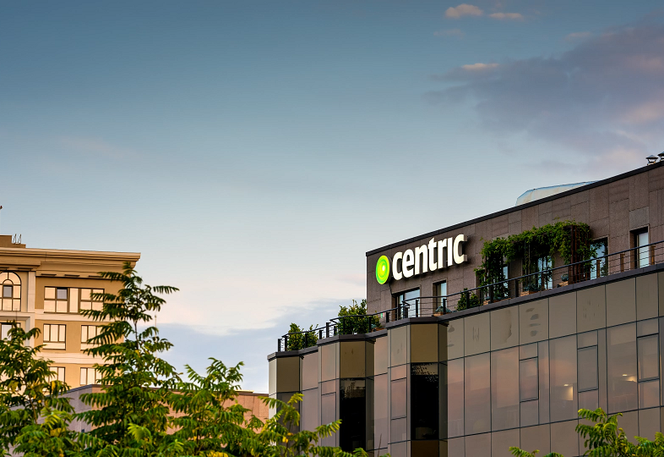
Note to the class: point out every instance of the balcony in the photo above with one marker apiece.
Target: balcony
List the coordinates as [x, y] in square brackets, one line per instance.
[574, 275]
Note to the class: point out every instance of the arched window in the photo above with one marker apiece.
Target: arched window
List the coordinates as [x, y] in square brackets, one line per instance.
[10, 285]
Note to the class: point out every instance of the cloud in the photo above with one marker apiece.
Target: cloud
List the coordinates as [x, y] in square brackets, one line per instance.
[95, 146]
[577, 36]
[463, 10]
[603, 100]
[507, 16]
[450, 32]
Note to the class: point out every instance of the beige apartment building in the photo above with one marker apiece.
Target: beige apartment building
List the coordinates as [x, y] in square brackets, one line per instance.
[47, 289]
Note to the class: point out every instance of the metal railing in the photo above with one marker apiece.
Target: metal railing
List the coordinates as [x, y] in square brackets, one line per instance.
[574, 273]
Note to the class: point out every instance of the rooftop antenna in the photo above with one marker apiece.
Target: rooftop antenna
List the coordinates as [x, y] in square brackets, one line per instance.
[0, 209]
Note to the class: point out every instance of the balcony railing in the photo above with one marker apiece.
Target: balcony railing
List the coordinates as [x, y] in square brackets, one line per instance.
[574, 273]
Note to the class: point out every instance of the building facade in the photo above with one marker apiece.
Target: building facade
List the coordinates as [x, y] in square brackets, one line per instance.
[47, 289]
[457, 367]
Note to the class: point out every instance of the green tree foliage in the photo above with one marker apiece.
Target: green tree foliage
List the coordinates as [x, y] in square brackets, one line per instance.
[603, 438]
[28, 393]
[136, 382]
[144, 408]
[353, 319]
[299, 338]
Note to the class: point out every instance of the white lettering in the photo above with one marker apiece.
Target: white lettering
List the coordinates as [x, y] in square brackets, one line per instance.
[450, 256]
[433, 265]
[441, 246]
[395, 272]
[459, 258]
[408, 262]
[422, 252]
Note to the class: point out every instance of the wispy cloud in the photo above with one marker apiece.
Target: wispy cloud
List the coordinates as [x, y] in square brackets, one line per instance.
[578, 36]
[463, 10]
[95, 146]
[507, 16]
[450, 32]
[604, 98]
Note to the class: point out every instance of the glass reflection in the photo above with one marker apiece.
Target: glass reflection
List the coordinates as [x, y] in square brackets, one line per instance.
[478, 394]
[424, 401]
[352, 412]
[528, 379]
[455, 403]
[380, 411]
[622, 385]
[562, 356]
[588, 368]
[648, 358]
[504, 391]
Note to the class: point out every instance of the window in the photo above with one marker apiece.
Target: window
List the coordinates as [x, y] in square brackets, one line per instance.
[599, 266]
[54, 336]
[648, 363]
[11, 291]
[544, 266]
[408, 301]
[59, 373]
[87, 302]
[6, 327]
[89, 376]
[528, 384]
[88, 332]
[55, 300]
[424, 411]
[440, 291]
[622, 368]
[641, 255]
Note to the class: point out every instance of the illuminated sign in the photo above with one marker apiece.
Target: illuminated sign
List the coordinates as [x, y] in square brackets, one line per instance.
[436, 255]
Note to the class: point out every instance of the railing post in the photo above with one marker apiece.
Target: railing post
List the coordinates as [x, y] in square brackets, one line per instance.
[327, 329]
[320, 333]
[405, 312]
[278, 344]
[387, 316]
[622, 262]
[285, 342]
[652, 254]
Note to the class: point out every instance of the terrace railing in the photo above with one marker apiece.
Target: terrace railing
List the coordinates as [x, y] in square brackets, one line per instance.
[574, 273]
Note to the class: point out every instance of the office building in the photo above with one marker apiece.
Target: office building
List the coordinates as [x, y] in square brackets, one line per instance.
[47, 289]
[469, 354]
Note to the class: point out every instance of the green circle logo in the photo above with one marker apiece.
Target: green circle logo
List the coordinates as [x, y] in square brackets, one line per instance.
[382, 270]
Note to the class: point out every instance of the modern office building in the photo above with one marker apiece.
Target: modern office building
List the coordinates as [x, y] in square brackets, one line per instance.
[473, 353]
[47, 289]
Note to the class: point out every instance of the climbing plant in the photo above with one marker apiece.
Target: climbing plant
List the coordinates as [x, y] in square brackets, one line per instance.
[534, 244]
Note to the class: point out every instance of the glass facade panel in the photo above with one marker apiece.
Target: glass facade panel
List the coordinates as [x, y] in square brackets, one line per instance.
[478, 394]
[587, 339]
[310, 371]
[424, 401]
[529, 413]
[380, 355]
[588, 369]
[589, 400]
[398, 353]
[648, 327]
[455, 396]
[504, 391]
[528, 351]
[648, 358]
[543, 358]
[328, 414]
[648, 394]
[562, 354]
[398, 430]
[622, 380]
[528, 379]
[398, 394]
[309, 419]
[352, 412]
[328, 366]
[380, 411]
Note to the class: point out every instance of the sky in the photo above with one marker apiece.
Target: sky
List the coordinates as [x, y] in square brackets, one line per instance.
[254, 151]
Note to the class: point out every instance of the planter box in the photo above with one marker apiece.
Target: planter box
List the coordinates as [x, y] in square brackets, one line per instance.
[527, 292]
[563, 283]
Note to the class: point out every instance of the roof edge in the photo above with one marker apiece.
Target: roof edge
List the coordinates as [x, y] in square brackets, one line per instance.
[519, 207]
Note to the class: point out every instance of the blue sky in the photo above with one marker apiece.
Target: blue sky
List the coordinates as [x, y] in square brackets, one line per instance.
[254, 151]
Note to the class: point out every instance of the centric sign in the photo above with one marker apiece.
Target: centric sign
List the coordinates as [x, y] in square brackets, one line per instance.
[382, 270]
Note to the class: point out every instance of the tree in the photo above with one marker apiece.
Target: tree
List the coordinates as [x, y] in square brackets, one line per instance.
[353, 319]
[605, 439]
[136, 382]
[29, 393]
